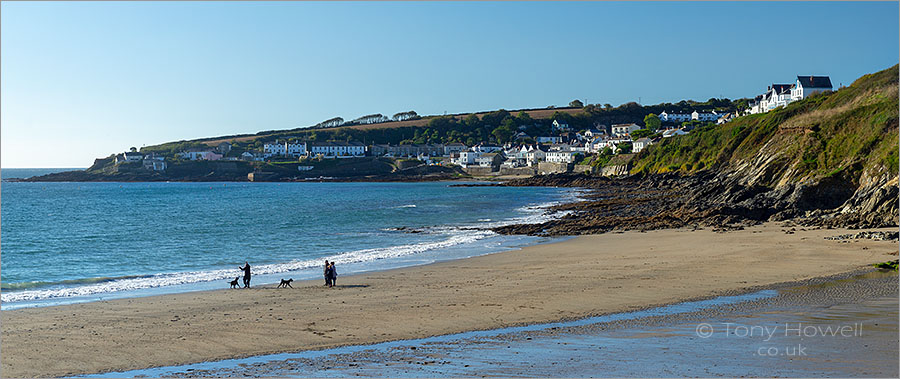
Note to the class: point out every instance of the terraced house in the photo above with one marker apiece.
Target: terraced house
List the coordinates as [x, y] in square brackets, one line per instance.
[337, 149]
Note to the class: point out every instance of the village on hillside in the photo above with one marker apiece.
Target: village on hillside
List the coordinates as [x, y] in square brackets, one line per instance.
[602, 149]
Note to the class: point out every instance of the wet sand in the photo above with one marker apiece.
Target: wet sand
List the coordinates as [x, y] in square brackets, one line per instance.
[656, 342]
[577, 278]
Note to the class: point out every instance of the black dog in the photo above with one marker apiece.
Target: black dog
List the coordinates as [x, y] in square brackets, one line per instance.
[234, 283]
[285, 283]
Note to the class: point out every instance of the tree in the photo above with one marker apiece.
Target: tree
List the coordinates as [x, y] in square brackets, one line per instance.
[652, 122]
[503, 133]
[641, 133]
[524, 118]
[371, 119]
[405, 116]
[495, 118]
[133, 149]
[472, 121]
[329, 123]
[623, 148]
[576, 104]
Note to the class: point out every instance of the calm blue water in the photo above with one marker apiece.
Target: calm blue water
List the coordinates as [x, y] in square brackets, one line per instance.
[21, 173]
[68, 242]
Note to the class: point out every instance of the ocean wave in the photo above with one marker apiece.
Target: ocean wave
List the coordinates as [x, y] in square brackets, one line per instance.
[106, 285]
[457, 235]
[40, 284]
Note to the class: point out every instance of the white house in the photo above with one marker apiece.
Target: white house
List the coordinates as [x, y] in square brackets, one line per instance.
[595, 145]
[489, 159]
[641, 144]
[454, 147]
[486, 148]
[712, 116]
[155, 164]
[279, 148]
[548, 139]
[613, 142]
[560, 126]
[620, 130]
[561, 156]
[200, 155]
[593, 133]
[274, 149]
[725, 118]
[674, 117]
[133, 157]
[466, 158]
[535, 155]
[337, 149]
[673, 132]
[296, 149]
[755, 105]
[778, 95]
[808, 85]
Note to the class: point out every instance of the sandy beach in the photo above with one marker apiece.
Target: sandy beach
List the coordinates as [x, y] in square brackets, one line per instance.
[576, 278]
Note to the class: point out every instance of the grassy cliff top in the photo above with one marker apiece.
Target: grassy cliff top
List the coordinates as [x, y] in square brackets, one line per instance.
[848, 131]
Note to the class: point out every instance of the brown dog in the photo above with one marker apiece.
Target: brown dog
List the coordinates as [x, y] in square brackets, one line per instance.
[234, 283]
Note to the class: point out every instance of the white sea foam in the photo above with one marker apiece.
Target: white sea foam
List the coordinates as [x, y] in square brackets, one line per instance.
[170, 279]
[456, 235]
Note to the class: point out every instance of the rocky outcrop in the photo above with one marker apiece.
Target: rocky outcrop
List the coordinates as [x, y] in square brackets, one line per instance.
[718, 200]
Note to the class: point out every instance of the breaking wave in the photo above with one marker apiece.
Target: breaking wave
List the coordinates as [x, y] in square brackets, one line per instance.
[456, 235]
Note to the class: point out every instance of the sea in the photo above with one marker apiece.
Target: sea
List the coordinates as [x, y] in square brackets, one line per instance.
[66, 243]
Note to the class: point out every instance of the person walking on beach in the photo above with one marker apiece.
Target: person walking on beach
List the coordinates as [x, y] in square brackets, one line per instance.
[246, 269]
[327, 273]
[333, 273]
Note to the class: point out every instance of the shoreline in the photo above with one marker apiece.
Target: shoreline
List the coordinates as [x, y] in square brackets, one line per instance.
[468, 354]
[454, 239]
[487, 292]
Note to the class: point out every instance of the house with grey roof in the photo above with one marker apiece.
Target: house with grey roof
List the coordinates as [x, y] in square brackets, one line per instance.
[808, 85]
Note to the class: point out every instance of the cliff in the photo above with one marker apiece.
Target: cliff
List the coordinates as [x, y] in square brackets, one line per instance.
[828, 160]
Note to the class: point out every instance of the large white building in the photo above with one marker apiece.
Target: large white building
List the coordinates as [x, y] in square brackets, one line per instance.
[674, 117]
[276, 148]
[621, 130]
[706, 116]
[561, 156]
[682, 117]
[466, 158]
[337, 149]
[284, 148]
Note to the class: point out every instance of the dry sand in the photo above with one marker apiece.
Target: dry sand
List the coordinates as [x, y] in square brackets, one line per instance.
[576, 278]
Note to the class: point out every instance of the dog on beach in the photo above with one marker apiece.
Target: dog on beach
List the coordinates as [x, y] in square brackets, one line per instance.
[234, 283]
[285, 283]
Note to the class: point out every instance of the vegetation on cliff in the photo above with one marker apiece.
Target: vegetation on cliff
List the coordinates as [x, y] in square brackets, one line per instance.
[847, 132]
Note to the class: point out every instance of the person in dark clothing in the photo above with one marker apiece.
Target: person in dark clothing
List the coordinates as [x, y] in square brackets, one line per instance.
[327, 273]
[333, 274]
[246, 269]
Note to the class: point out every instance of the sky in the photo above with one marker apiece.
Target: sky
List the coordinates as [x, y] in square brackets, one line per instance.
[82, 80]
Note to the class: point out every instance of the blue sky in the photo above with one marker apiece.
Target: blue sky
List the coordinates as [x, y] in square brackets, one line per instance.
[83, 80]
